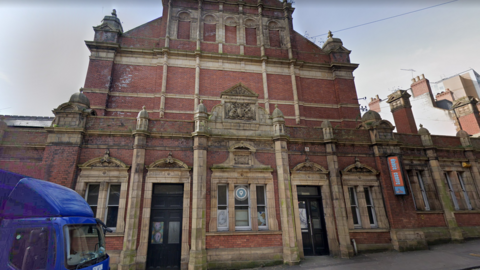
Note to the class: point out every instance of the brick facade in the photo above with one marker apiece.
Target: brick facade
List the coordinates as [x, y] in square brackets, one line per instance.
[244, 101]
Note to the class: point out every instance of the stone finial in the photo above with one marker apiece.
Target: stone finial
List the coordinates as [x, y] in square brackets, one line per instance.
[169, 158]
[106, 156]
[114, 13]
[330, 35]
[143, 113]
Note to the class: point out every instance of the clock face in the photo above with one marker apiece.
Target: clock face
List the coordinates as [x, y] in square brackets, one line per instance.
[241, 193]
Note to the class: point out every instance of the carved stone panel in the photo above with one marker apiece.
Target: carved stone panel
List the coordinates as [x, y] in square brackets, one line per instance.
[240, 111]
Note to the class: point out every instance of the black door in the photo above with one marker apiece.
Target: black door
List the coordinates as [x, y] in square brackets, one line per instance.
[312, 221]
[165, 239]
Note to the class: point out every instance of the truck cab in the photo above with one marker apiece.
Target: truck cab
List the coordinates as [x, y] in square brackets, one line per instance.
[47, 226]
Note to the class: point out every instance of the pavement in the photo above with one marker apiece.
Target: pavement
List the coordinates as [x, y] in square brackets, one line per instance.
[452, 256]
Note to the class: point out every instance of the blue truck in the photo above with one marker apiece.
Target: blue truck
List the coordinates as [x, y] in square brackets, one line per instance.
[47, 226]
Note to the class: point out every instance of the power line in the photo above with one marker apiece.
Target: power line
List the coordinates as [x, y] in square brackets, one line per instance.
[410, 12]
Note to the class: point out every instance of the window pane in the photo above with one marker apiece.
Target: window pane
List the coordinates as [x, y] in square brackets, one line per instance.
[261, 216]
[260, 195]
[354, 215]
[367, 196]
[174, 232]
[114, 196]
[92, 194]
[241, 216]
[303, 215]
[112, 213]
[30, 248]
[222, 195]
[370, 215]
[94, 209]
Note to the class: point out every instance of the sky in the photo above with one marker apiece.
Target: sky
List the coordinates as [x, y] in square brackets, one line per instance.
[44, 60]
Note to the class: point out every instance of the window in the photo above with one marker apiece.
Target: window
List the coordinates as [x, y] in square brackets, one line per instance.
[249, 206]
[242, 208]
[183, 31]
[261, 208]
[251, 36]
[91, 197]
[452, 192]
[424, 193]
[354, 206]
[112, 206]
[30, 248]
[370, 208]
[222, 212]
[230, 34]
[464, 190]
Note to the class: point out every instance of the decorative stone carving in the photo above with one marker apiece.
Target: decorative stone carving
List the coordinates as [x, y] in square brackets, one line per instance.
[168, 163]
[184, 16]
[209, 19]
[358, 167]
[309, 166]
[231, 22]
[104, 162]
[242, 155]
[239, 90]
[249, 23]
[240, 111]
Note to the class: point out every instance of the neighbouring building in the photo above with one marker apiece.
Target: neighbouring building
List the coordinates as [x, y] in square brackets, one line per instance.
[218, 137]
[446, 106]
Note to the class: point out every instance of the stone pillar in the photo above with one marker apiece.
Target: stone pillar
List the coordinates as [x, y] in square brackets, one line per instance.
[291, 254]
[198, 253]
[295, 92]
[265, 85]
[197, 79]
[338, 199]
[64, 140]
[402, 112]
[102, 55]
[164, 83]
[400, 210]
[442, 189]
[472, 160]
[167, 34]
[260, 28]
[129, 252]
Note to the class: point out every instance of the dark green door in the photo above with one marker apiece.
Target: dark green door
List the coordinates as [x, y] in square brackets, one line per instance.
[165, 238]
[312, 221]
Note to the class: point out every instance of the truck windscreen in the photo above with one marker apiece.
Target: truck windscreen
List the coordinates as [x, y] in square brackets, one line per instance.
[84, 245]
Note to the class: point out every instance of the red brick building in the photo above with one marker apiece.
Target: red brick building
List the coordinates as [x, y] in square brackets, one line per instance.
[249, 149]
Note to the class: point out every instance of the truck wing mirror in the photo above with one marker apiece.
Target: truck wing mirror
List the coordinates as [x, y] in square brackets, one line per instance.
[105, 228]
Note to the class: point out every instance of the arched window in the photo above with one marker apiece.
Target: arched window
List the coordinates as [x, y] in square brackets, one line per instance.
[231, 31]
[274, 35]
[210, 29]
[250, 32]
[184, 21]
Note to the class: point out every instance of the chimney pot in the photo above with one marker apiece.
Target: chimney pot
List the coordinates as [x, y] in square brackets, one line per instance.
[423, 77]
[418, 78]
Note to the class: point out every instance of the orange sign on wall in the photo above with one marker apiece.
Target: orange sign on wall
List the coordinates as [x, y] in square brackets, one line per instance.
[396, 175]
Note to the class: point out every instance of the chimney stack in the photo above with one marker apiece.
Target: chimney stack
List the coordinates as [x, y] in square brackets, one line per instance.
[467, 114]
[374, 104]
[402, 112]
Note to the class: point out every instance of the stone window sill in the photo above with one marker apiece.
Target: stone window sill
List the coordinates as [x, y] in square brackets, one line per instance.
[467, 212]
[243, 233]
[430, 212]
[375, 230]
[114, 234]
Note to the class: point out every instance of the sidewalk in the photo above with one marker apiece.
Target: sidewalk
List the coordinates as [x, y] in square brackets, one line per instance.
[447, 256]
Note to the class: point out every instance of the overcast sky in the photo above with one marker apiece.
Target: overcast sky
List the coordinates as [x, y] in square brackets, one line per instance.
[43, 57]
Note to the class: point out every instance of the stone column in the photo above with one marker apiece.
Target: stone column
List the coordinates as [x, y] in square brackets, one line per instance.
[346, 248]
[167, 34]
[164, 83]
[260, 28]
[129, 251]
[291, 254]
[265, 85]
[197, 79]
[198, 253]
[295, 92]
[442, 189]
[474, 166]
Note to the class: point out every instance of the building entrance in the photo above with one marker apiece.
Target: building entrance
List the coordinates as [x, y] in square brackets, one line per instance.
[164, 242]
[312, 221]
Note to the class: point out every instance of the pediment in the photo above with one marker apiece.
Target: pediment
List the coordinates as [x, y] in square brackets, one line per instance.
[104, 27]
[359, 168]
[309, 166]
[239, 90]
[104, 162]
[169, 163]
